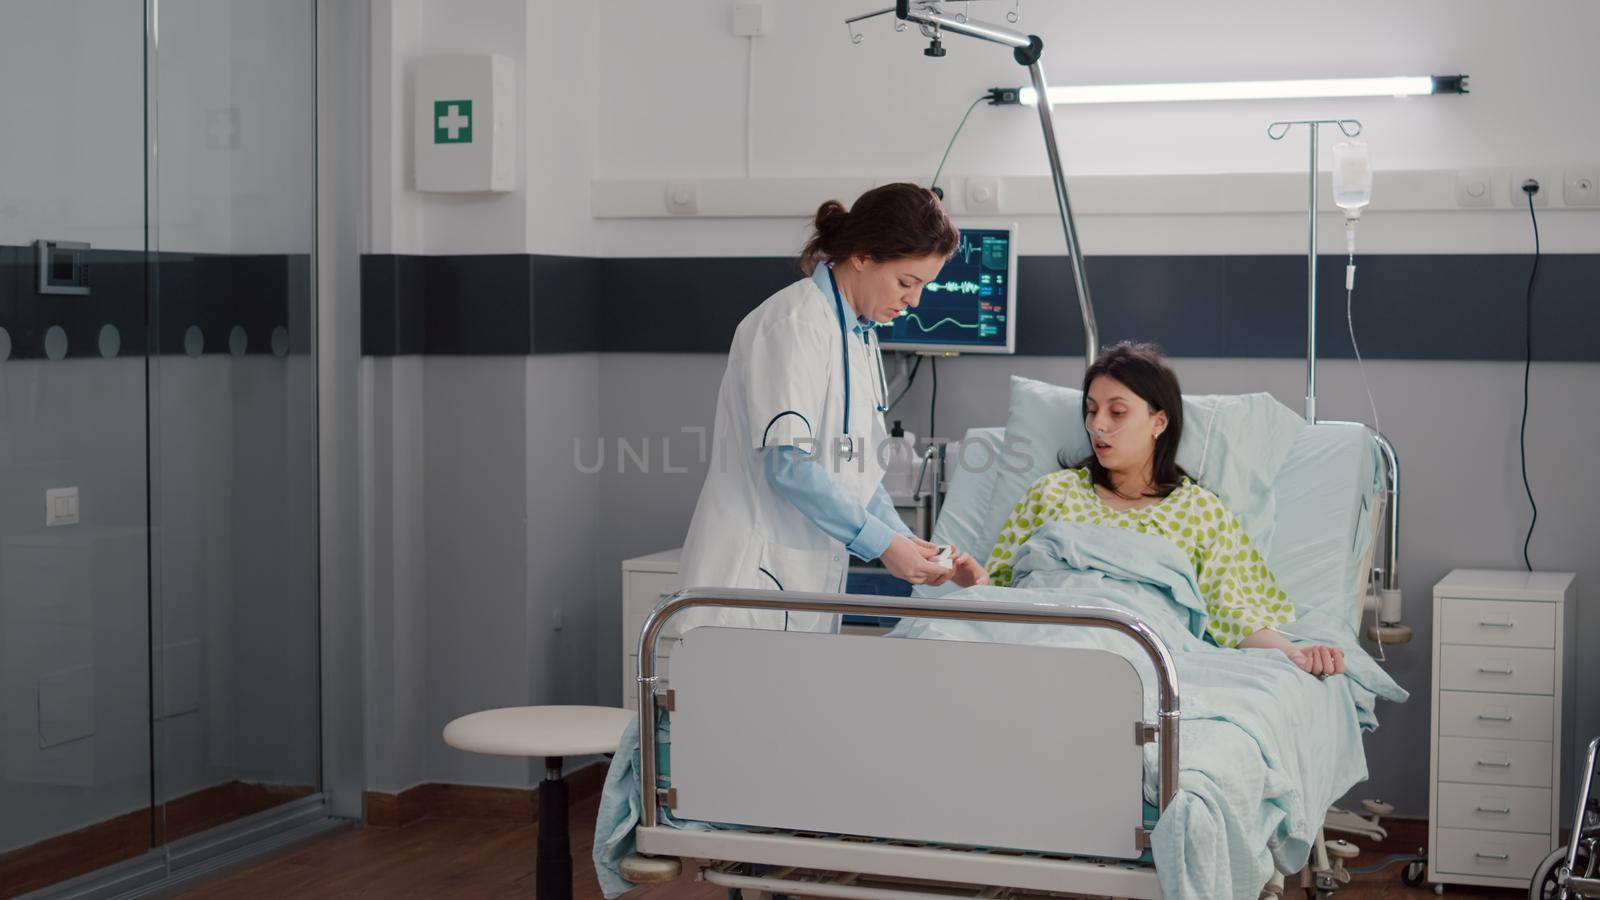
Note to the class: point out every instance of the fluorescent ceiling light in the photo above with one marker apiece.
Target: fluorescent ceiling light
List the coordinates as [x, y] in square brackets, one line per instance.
[1395, 86]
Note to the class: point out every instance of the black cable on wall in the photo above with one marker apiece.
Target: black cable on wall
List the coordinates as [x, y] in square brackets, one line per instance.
[1530, 188]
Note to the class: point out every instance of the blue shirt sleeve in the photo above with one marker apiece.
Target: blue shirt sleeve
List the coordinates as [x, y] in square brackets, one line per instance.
[796, 476]
[882, 509]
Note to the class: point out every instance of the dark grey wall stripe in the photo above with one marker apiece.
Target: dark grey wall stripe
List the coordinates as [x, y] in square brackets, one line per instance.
[215, 292]
[1433, 306]
[478, 305]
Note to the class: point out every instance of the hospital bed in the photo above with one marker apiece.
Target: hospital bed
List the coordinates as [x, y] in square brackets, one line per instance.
[859, 767]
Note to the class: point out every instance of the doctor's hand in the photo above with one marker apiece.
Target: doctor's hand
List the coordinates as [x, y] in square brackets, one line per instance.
[910, 561]
[968, 571]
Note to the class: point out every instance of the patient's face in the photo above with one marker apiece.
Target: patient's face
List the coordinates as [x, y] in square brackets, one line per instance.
[1122, 428]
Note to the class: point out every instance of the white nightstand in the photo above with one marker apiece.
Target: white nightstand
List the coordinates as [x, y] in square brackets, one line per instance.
[1502, 712]
[645, 579]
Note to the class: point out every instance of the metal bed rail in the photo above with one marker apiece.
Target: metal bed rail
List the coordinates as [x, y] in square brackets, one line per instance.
[1165, 730]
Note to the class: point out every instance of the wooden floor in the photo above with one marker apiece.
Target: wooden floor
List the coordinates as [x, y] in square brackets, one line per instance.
[482, 858]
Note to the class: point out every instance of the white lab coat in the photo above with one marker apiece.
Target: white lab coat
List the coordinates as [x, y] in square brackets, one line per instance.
[783, 386]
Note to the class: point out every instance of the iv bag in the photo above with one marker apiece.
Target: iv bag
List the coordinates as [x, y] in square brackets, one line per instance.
[1352, 176]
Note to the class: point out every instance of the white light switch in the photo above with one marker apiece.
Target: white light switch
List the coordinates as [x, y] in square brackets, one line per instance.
[1476, 187]
[60, 507]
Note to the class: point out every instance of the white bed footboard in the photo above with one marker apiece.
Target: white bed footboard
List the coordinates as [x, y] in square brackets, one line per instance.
[967, 744]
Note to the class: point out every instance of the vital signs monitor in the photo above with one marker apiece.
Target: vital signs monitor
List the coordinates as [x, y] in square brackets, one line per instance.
[971, 307]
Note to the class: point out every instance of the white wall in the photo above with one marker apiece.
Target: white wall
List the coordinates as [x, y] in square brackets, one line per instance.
[548, 212]
[825, 108]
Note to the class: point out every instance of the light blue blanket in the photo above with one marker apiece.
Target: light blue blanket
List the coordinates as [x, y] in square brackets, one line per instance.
[1265, 748]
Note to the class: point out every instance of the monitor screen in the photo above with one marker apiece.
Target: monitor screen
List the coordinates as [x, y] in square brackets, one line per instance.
[971, 306]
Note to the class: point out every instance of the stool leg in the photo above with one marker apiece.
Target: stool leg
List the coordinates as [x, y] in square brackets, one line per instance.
[554, 877]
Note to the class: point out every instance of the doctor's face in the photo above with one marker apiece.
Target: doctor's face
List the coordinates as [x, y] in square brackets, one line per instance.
[884, 289]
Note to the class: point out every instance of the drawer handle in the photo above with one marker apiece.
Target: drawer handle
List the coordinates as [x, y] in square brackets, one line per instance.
[1496, 856]
[1488, 718]
[1500, 765]
[1506, 624]
[1488, 671]
[1502, 811]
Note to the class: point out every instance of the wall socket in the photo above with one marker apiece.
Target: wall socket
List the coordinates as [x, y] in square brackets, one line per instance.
[1549, 181]
[1581, 187]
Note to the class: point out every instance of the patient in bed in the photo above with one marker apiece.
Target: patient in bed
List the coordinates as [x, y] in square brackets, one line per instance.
[1133, 411]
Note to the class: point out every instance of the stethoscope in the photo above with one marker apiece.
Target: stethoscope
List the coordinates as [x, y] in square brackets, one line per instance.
[845, 444]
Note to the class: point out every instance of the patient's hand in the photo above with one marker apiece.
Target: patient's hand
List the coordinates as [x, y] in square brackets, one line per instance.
[968, 571]
[1317, 659]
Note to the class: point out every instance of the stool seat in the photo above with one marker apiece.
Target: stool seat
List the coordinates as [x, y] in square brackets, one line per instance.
[552, 732]
[540, 730]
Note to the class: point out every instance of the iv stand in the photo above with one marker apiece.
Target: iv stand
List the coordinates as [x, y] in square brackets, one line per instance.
[1277, 131]
[1026, 49]
[1389, 580]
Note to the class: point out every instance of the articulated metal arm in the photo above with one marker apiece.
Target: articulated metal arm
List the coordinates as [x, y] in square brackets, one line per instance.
[1027, 49]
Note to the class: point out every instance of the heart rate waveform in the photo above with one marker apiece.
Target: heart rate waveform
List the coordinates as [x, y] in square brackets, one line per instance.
[993, 249]
[917, 320]
[961, 287]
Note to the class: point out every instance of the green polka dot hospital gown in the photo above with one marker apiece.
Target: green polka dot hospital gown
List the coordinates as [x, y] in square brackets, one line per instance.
[1240, 594]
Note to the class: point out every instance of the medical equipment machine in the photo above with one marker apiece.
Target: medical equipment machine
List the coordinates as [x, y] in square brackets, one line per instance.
[971, 306]
[1026, 49]
[1573, 872]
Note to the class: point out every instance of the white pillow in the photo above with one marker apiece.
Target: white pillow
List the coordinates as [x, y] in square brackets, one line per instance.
[1232, 444]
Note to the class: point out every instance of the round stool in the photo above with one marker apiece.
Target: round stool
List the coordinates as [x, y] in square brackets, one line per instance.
[552, 732]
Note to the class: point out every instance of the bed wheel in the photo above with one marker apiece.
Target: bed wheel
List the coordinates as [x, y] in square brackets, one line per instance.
[1414, 873]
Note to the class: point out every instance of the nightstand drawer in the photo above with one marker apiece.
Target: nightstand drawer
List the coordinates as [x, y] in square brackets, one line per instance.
[1507, 670]
[643, 591]
[1514, 717]
[1472, 761]
[1491, 808]
[1499, 623]
[1489, 853]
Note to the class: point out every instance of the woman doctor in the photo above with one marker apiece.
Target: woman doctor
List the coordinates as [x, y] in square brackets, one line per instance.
[796, 467]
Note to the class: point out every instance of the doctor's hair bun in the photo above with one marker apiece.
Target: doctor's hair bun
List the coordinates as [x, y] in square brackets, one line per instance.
[892, 221]
[831, 216]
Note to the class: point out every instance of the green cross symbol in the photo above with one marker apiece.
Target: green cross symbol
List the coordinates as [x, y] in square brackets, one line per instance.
[452, 121]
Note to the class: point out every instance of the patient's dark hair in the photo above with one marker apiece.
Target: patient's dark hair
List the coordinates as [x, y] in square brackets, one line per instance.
[892, 221]
[1141, 368]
